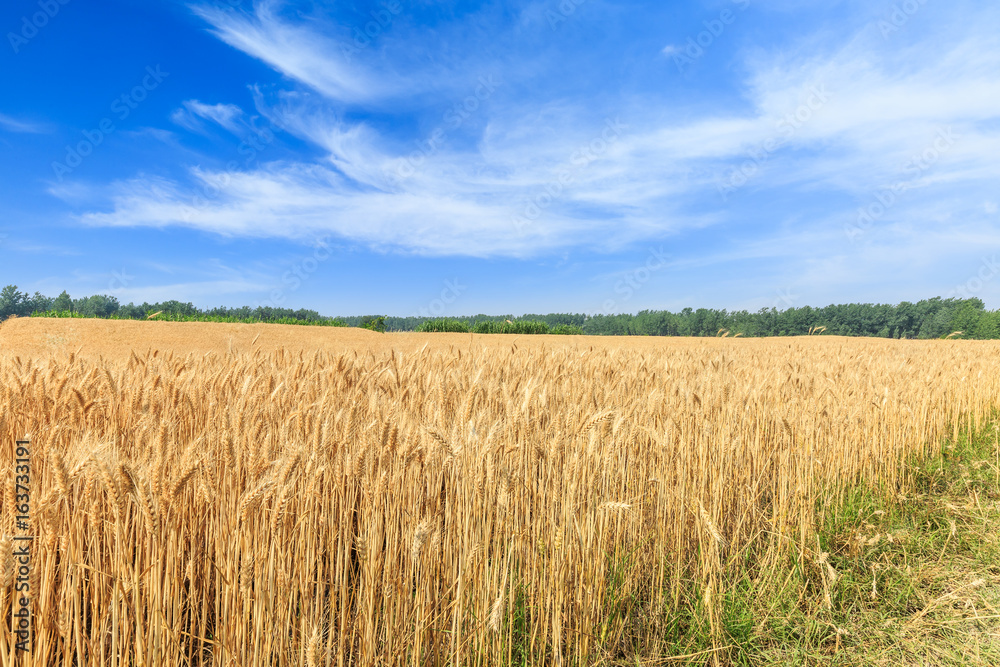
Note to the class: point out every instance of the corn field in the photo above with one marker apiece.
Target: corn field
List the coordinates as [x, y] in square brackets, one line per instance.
[561, 502]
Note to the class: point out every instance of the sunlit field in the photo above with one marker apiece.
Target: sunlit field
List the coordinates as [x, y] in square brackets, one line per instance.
[211, 494]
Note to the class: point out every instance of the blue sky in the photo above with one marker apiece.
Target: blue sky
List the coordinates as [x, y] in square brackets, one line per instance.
[457, 157]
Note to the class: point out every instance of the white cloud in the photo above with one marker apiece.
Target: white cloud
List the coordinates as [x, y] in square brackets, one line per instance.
[224, 115]
[300, 52]
[299, 202]
[865, 108]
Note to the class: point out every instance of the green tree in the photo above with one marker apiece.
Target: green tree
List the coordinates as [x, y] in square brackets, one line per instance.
[98, 305]
[965, 318]
[373, 323]
[13, 303]
[62, 303]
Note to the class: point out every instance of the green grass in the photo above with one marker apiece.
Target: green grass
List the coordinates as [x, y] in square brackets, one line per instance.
[918, 574]
[917, 582]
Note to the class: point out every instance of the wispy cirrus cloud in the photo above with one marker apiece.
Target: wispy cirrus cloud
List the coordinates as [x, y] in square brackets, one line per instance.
[15, 125]
[317, 53]
[193, 111]
[881, 104]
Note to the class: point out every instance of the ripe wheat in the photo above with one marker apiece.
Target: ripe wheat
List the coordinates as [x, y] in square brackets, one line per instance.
[543, 504]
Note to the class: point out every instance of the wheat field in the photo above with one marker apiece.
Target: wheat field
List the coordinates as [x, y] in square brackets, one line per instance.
[248, 498]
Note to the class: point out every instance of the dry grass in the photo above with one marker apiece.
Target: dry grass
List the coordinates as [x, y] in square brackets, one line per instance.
[555, 502]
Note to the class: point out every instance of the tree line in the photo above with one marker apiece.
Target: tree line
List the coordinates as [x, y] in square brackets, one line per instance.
[930, 318]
